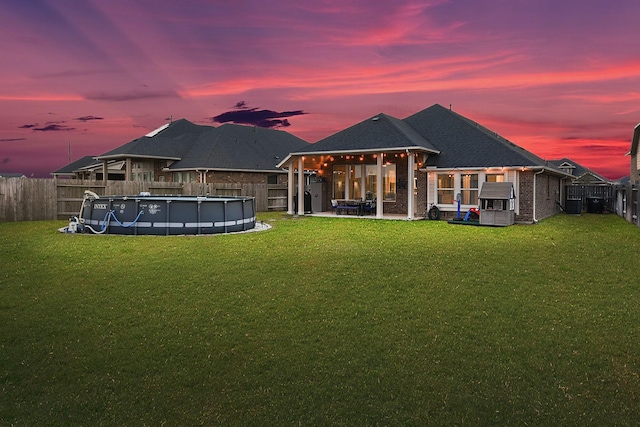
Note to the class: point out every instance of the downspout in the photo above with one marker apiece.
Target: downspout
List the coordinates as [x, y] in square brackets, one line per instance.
[534, 194]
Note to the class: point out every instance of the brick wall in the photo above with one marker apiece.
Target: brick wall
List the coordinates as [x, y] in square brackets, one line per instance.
[547, 195]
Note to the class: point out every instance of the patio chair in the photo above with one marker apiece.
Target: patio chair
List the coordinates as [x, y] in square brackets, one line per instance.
[369, 207]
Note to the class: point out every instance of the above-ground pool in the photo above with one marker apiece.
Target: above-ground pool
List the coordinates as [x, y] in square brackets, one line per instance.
[166, 215]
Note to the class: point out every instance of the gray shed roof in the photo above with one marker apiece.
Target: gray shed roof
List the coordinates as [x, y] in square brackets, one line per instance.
[496, 190]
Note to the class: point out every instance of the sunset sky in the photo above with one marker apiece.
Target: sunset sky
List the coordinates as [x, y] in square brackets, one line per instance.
[559, 78]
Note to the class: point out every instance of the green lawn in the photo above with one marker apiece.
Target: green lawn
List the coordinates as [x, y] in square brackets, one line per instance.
[323, 321]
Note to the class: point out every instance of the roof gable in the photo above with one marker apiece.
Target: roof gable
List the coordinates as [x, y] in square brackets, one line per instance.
[380, 132]
[173, 142]
[580, 173]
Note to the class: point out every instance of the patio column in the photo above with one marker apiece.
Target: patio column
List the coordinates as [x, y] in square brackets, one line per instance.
[127, 170]
[291, 185]
[410, 188]
[379, 183]
[105, 171]
[301, 185]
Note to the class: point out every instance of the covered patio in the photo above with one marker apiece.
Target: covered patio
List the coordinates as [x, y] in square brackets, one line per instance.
[388, 181]
[379, 160]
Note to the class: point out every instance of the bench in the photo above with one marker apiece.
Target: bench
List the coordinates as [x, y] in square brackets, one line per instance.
[344, 207]
[347, 208]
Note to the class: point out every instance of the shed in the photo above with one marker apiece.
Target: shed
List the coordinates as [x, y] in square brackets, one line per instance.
[497, 203]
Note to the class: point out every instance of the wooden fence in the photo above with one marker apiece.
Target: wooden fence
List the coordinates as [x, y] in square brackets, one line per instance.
[627, 203]
[27, 199]
[623, 200]
[585, 192]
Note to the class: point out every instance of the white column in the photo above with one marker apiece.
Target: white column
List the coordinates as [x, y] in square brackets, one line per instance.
[347, 182]
[363, 182]
[410, 177]
[379, 203]
[300, 186]
[291, 185]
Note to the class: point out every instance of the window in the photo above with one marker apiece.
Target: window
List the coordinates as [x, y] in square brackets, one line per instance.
[494, 204]
[339, 181]
[355, 181]
[142, 171]
[494, 177]
[370, 182]
[469, 184]
[359, 181]
[272, 179]
[446, 188]
[389, 182]
[184, 177]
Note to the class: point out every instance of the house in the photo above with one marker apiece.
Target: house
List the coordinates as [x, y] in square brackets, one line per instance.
[235, 157]
[12, 175]
[182, 151]
[434, 157]
[88, 167]
[581, 175]
[634, 177]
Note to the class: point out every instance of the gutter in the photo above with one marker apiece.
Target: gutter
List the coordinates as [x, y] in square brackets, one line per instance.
[535, 220]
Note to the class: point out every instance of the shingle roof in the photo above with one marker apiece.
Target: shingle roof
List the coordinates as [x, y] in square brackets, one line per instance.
[578, 169]
[74, 166]
[230, 146]
[464, 143]
[380, 132]
[171, 143]
[239, 147]
[496, 190]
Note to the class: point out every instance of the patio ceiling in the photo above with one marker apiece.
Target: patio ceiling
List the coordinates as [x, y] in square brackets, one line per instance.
[320, 160]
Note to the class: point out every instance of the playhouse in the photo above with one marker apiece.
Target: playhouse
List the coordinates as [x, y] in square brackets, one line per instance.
[497, 203]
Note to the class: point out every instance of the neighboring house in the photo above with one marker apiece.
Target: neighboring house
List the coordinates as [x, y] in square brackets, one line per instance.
[581, 175]
[433, 157]
[182, 151]
[88, 167]
[12, 175]
[634, 177]
[185, 152]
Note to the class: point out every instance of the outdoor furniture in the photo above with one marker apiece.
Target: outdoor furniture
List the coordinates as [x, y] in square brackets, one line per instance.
[369, 207]
[346, 206]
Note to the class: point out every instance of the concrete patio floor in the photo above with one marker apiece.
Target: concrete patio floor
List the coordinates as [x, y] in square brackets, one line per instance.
[332, 214]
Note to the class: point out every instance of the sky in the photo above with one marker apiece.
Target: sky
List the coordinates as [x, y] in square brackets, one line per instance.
[81, 77]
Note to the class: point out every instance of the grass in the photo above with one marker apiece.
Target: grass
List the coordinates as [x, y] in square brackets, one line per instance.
[323, 321]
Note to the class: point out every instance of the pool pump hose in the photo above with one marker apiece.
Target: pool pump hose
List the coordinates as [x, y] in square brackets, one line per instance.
[77, 225]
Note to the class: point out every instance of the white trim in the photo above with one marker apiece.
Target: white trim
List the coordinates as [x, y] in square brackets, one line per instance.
[356, 151]
[410, 183]
[300, 186]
